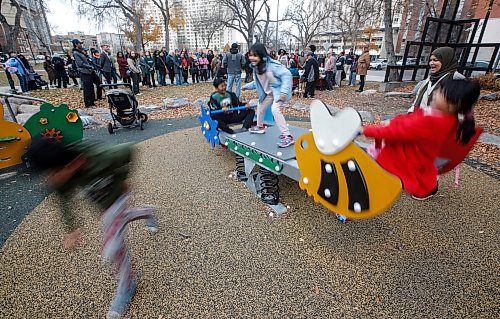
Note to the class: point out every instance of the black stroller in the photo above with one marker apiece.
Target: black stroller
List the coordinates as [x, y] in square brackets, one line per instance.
[36, 82]
[124, 103]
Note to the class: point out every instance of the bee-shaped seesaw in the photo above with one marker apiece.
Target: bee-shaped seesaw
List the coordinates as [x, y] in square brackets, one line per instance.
[334, 169]
[336, 172]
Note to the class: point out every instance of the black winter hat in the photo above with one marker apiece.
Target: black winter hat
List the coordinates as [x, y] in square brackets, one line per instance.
[234, 46]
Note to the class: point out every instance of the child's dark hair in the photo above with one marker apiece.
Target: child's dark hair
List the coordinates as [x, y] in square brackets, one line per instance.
[259, 50]
[218, 81]
[44, 154]
[463, 94]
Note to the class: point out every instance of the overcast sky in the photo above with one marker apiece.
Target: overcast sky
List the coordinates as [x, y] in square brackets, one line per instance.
[63, 18]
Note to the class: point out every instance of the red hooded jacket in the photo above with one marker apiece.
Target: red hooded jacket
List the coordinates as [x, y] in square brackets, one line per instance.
[412, 143]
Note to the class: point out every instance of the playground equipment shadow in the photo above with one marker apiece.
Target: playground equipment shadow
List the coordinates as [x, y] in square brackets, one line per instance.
[433, 259]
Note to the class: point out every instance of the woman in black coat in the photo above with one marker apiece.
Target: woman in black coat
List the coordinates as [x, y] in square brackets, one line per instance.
[210, 57]
[161, 67]
[60, 71]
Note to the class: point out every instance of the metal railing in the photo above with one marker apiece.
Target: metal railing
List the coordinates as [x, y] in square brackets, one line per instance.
[6, 97]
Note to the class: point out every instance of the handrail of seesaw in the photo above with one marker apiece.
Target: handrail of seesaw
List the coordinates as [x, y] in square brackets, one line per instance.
[233, 109]
[24, 97]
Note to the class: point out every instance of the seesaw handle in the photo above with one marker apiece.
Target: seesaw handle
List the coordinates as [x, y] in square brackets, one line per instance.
[233, 109]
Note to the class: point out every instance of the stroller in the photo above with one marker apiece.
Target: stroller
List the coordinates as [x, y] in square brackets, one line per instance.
[125, 104]
[35, 82]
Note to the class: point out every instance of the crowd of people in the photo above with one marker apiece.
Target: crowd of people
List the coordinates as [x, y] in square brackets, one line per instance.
[177, 67]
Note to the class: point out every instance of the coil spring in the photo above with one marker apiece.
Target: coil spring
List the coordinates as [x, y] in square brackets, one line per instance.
[240, 169]
[269, 188]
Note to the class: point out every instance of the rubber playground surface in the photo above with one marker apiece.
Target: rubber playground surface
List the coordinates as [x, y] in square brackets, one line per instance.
[219, 255]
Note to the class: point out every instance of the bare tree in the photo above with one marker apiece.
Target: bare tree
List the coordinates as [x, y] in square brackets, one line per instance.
[12, 30]
[99, 9]
[207, 24]
[37, 25]
[165, 6]
[308, 19]
[263, 27]
[351, 17]
[244, 16]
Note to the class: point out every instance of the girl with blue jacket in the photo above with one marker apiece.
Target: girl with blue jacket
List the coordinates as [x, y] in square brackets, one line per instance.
[273, 83]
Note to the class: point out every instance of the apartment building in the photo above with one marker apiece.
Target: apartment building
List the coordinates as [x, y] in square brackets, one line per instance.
[34, 37]
[186, 32]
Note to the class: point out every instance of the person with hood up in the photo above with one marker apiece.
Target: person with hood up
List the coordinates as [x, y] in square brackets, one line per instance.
[234, 62]
[60, 72]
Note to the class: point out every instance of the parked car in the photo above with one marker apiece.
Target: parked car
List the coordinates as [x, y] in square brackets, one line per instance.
[378, 64]
[409, 61]
[479, 64]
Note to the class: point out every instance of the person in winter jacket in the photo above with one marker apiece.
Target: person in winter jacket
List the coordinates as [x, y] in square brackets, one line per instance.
[49, 68]
[194, 68]
[302, 60]
[311, 75]
[210, 57]
[134, 69]
[203, 67]
[339, 65]
[363, 65]
[411, 143]
[273, 83]
[87, 74]
[14, 66]
[72, 69]
[215, 66]
[145, 71]
[329, 71]
[170, 59]
[150, 63]
[106, 65]
[185, 67]
[60, 71]
[177, 62]
[234, 62]
[161, 68]
[354, 71]
[222, 99]
[123, 67]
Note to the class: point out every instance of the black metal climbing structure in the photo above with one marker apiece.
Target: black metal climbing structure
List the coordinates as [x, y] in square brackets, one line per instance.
[447, 31]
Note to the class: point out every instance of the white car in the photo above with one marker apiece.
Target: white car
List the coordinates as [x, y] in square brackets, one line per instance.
[409, 61]
[378, 64]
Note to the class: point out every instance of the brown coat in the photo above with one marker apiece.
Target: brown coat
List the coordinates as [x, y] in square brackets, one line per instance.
[364, 63]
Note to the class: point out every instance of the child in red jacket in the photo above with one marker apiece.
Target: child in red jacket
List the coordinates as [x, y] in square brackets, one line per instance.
[411, 143]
